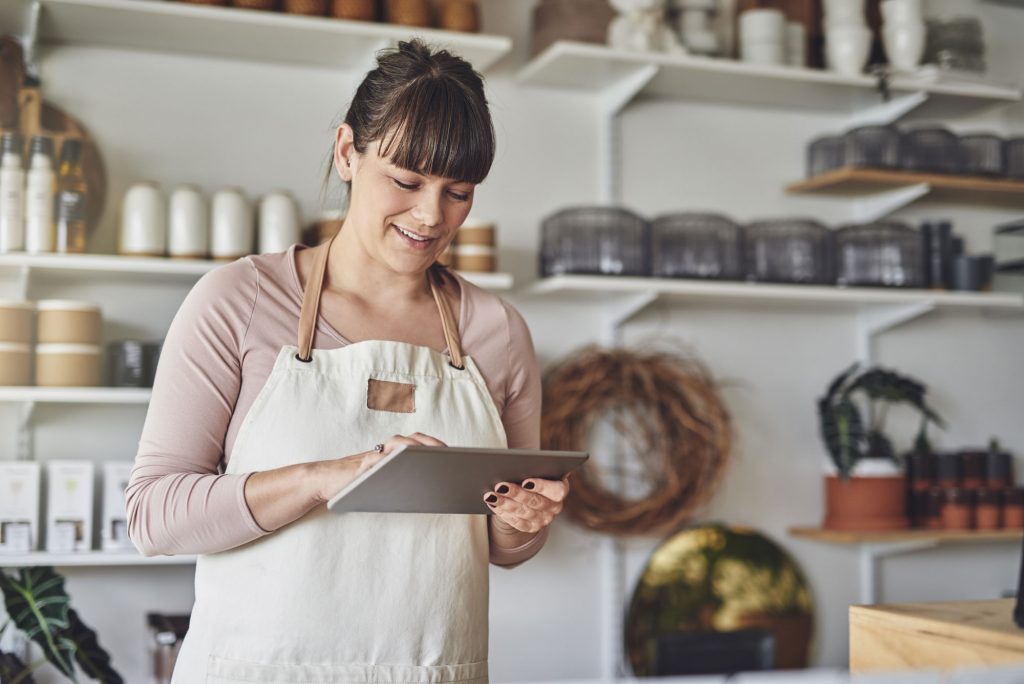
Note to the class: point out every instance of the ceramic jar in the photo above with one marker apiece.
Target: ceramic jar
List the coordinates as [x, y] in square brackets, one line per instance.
[143, 221]
[231, 225]
[278, 222]
[188, 224]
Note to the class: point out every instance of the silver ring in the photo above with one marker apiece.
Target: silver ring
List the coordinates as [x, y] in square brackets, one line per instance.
[379, 448]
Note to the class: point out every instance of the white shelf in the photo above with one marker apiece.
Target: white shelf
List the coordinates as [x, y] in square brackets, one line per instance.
[599, 69]
[76, 395]
[600, 288]
[89, 559]
[277, 37]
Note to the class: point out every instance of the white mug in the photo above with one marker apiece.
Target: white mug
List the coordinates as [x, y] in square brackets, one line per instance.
[844, 12]
[763, 53]
[904, 45]
[231, 225]
[143, 221]
[847, 49]
[188, 224]
[796, 44]
[902, 11]
[762, 25]
[279, 222]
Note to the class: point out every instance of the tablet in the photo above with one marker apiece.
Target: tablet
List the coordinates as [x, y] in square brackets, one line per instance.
[427, 479]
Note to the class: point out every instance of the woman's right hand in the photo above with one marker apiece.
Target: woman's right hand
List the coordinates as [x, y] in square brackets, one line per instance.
[337, 474]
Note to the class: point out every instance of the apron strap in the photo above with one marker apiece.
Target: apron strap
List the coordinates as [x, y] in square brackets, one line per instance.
[311, 309]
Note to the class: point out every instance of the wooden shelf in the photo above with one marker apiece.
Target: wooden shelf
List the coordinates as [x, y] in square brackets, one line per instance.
[76, 395]
[856, 181]
[599, 69]
[599, 288]
[277, 37]
[899, 536]
[89, 559]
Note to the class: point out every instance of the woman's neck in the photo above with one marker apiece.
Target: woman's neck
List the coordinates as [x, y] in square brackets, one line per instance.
[352, 270]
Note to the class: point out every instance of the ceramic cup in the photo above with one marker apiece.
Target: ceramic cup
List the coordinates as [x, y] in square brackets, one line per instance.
[902, 11]
[847, 49]
[188, 224]
[231, 225]
[796, 44]
[143, 221]
[844, 12]
[763, 53]
[904, 45]
[279, 222]
[762, 26]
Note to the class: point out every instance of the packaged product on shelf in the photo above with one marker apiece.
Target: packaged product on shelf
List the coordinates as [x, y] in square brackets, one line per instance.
[12, 194]
[72, 207]
[69, 322]
[15, 364]
[19, 507]
[69, 490]
[40, 189]
[68, 365]
[16, 321]
[114, 532]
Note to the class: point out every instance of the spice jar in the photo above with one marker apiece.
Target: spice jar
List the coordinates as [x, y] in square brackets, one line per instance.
[999, 469]
[988, 514]
[973, 464]
[936, 502]
[958, 510]
[409, 12]
[1013, 508]
[921, 471]
[950, 470]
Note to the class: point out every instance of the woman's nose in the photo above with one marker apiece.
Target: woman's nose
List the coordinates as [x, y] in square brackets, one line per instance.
[428, 210]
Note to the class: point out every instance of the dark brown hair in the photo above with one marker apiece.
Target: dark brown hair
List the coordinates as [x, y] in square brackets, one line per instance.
[427, 112]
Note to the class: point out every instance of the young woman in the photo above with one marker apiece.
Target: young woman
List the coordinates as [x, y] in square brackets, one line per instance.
[285, 376]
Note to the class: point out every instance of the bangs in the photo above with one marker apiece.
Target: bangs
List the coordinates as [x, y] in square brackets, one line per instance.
[437, 127]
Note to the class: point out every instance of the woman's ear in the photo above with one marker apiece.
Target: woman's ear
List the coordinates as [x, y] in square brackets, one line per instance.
[344, 152]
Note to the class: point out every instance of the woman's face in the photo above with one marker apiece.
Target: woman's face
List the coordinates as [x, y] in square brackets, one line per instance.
[404, 219]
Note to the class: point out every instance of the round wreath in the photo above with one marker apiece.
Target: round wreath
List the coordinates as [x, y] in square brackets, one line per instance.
[665, 407]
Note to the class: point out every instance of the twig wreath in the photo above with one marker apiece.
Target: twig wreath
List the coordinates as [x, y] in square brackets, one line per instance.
[666, 407]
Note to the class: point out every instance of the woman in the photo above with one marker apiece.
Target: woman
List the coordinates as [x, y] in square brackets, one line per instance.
[241, 444]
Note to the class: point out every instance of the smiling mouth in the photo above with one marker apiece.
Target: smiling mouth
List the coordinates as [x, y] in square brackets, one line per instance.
[415, 238]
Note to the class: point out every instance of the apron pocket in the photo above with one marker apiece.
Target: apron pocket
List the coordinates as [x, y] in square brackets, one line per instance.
[394, 397]
[232, 671]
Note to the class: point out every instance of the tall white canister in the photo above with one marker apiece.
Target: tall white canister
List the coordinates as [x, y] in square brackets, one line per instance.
[188, 222]
[279, 222]
[232, 233]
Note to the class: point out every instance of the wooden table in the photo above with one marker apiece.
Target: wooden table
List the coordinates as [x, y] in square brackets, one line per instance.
[946, 636]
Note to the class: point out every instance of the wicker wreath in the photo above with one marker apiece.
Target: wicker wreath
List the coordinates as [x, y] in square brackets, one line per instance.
[665, 408]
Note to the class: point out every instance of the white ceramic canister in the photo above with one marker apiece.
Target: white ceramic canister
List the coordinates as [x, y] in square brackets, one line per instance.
[847, 49]
[62, 321]
[231, 225]
[15, 364]
[188, 224]
[16, 321]
[67, 365]
[904, 44]
[796, 44]
[143, 221]
[279, 222]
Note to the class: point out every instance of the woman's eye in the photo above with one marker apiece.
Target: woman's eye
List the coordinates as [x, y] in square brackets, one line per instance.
[404, 186]
[459, 197]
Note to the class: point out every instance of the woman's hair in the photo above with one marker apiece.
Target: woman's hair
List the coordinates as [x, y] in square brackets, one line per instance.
[427, 112]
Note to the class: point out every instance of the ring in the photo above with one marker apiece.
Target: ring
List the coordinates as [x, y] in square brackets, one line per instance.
[379, 448]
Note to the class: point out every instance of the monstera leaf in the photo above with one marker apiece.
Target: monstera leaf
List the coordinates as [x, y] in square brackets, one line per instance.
[38, 604]
[843, 432]
[91, 657]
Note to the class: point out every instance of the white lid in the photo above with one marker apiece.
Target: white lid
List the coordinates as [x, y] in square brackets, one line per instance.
[15, 347]
[65, 305]
[477, 222]
[16, 304]
[65, 348]
[474, 250]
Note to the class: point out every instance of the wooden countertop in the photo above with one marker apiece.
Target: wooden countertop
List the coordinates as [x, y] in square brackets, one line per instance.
[947, 635]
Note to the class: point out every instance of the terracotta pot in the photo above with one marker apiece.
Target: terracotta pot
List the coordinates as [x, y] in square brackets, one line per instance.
[865, 503]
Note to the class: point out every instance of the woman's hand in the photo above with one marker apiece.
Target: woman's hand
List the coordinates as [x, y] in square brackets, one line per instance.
[336, 474]
[529, 508]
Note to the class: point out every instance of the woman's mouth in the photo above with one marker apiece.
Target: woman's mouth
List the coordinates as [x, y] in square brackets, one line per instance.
[412, 239]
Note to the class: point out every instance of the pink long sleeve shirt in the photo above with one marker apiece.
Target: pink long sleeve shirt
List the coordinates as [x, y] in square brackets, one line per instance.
[217, 356]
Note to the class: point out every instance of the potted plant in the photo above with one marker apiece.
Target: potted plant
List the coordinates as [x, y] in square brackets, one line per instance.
[868, 490]
[38, 605]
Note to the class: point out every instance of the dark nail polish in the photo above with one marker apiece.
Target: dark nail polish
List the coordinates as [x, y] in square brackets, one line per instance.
[491, 499]
[529, 485]
[503, 489]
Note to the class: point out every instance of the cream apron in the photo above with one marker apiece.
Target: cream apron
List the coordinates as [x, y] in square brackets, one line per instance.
[357, 597]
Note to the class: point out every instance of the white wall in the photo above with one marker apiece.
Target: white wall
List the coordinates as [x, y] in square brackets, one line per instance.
[173, 119]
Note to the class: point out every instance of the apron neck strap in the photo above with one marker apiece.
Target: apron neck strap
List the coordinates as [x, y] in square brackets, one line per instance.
[311, 308]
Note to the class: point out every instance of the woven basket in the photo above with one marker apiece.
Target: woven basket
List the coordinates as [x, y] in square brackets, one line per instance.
[460, 15]
[266, 5]
[409, 12]
[357, 10]
[317, 8]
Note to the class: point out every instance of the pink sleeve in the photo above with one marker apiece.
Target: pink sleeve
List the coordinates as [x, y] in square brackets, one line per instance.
[521, 418]
[177, 502]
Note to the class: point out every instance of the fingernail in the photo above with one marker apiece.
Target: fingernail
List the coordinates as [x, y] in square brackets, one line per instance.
[503, 489]
[491, 499]
[529, 485]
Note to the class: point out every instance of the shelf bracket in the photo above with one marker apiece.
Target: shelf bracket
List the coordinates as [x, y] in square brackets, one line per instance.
[888, 112]
[25, 436]
[875, 321]
[24, 282]
[612, 100]
[872, 553]
[877, 206]
[620, 311]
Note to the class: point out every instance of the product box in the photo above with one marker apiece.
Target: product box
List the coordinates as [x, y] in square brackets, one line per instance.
[114, 530]
[19, 506]
[69, 490]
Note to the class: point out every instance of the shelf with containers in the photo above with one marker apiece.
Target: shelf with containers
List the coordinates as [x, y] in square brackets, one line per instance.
[856, 182]
[88, 559]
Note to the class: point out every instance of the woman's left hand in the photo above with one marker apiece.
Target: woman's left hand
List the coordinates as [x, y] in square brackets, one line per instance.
[531, 507]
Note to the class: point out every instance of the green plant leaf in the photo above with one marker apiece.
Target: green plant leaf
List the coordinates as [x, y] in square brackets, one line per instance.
[94, 661]
[12, 668]
[836, 385]
[38, 604]
[879, 446]
[842, 429]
